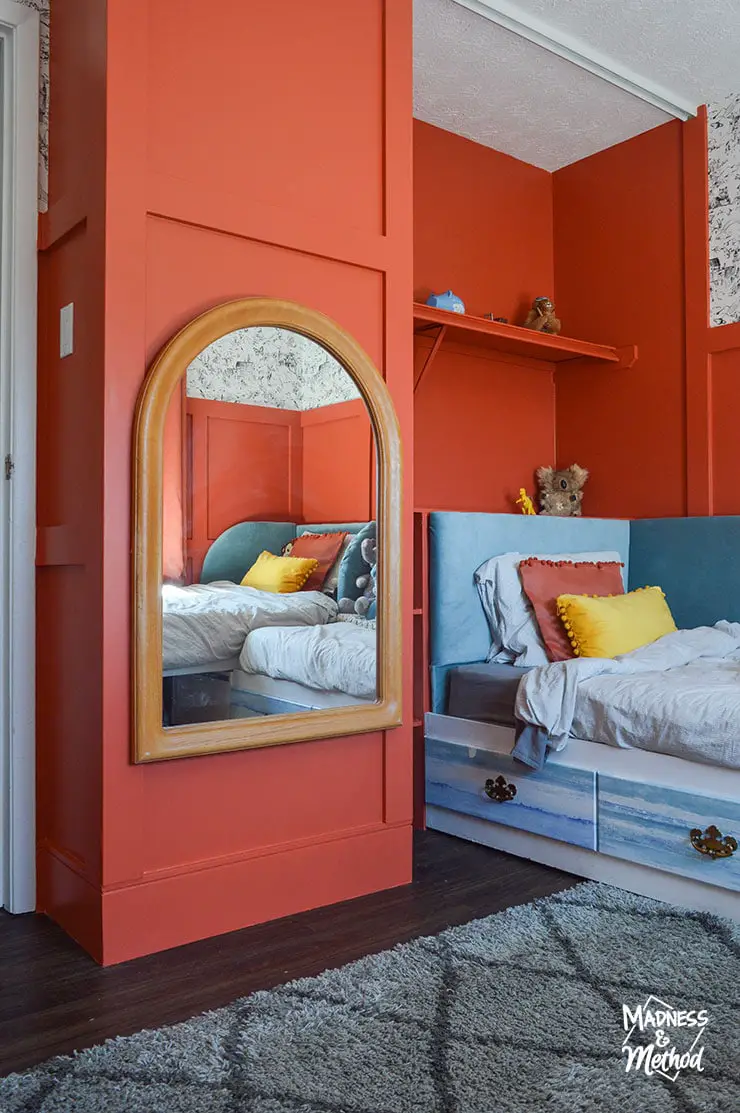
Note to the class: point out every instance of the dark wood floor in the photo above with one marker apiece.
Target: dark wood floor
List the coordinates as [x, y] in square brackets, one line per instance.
[55, 999]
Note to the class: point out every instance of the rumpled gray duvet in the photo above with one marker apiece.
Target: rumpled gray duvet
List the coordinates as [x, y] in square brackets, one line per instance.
[679, 695]
[203, 623]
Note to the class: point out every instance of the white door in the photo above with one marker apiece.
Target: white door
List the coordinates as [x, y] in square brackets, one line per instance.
[19, 67]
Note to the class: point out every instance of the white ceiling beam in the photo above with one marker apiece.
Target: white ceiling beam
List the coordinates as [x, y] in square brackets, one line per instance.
[582, 54]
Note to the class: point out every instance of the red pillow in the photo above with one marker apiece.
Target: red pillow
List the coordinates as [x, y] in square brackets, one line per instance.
[544, 580]
[323, 547]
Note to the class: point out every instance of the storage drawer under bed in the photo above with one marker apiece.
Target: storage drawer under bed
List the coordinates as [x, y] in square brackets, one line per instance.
[652, 825]
[558, 802]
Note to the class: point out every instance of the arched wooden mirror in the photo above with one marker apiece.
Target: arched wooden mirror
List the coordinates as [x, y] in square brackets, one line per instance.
[267, 504]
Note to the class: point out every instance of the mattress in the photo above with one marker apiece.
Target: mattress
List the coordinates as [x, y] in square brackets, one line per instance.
[485, 692]
[209, 622]
[338, 657]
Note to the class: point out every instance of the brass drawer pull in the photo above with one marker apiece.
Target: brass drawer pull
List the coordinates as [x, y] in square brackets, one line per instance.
[499, 790]
[713, 843]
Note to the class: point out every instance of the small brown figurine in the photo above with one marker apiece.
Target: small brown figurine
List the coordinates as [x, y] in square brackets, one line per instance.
[561, 492]
[541, 317]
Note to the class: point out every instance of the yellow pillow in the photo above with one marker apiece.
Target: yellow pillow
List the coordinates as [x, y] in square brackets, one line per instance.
[608, 625]
[279, 574]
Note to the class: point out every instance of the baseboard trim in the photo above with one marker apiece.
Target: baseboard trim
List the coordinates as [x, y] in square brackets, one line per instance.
[70, 899]
[216, 862]
[171, 911]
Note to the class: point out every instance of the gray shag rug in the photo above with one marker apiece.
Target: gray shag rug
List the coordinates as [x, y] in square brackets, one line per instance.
[521, 1012]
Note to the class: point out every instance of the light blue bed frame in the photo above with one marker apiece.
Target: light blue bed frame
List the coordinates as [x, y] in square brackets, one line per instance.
[695, 560]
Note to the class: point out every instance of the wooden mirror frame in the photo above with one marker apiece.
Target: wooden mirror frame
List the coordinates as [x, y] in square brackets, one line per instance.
[151, 740]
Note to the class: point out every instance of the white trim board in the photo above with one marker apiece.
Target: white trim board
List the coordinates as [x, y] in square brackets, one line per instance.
[19, 33]
[513, 18]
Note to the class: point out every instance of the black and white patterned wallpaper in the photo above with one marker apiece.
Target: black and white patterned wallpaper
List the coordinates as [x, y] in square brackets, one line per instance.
[269, 367]
[724, 210]
[42, 7]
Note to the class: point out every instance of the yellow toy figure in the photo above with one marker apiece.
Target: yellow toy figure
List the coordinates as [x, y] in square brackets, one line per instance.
[525, 502]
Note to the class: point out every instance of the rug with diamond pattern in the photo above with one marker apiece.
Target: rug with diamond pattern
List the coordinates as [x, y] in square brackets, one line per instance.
[521, 1012]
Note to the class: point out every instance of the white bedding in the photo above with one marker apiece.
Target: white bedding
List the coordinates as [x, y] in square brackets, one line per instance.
[339, 657]
[209, 622]
[680, 695]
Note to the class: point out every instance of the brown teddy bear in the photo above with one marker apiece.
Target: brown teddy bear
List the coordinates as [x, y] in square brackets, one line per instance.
[541, 317]
[561, 492]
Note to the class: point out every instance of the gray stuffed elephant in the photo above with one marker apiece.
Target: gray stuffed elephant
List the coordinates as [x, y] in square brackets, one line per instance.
[366, 604]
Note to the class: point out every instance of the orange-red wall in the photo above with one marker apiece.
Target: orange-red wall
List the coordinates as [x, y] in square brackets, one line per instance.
[632, 266]
[723, 375]
[483, 227]
[310, 199]
[261, 463]
[338, 463]
[621, 238]
[244, 462]
[619, 271]
[70, 489]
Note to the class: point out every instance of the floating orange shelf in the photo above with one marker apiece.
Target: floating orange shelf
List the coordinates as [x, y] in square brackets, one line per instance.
[478, 331]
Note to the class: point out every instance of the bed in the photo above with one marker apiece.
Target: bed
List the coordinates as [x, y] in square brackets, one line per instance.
[333, 664]
[205, 624]
[661, 823]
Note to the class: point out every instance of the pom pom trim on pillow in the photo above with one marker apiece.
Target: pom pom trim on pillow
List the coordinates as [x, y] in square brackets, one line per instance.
[544, 580]
[322, 547]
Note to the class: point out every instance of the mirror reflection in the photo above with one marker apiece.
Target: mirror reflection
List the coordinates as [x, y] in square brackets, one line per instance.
[269, 535]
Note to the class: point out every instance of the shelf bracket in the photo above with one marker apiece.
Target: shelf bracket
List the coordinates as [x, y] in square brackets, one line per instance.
[627, 357]
[430, 355]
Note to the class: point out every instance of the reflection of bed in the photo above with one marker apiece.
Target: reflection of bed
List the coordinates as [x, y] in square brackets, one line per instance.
[332, 664]
[204, 625]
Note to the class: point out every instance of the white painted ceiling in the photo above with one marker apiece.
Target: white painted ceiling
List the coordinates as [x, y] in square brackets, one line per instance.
[474, 78]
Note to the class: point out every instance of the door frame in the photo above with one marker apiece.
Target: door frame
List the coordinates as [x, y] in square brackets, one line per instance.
[19, 32]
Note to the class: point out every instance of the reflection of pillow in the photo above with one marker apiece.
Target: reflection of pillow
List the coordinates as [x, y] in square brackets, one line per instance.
[515, 638]
[333, 574]
[610, 627]
[279, 574]
[544, 580]
[322, 547]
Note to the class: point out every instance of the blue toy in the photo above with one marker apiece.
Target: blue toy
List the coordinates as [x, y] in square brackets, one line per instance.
[366, 605]
[447, 301]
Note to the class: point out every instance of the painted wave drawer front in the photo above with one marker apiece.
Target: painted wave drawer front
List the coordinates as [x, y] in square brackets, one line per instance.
[559, 802]
[651, 825]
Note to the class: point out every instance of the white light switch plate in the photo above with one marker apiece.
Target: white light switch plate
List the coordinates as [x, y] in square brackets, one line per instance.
[66, 330]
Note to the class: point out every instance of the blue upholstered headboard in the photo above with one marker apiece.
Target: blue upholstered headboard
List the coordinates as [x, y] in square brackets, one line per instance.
[236, 550]
[695, 560]
[459, 543]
